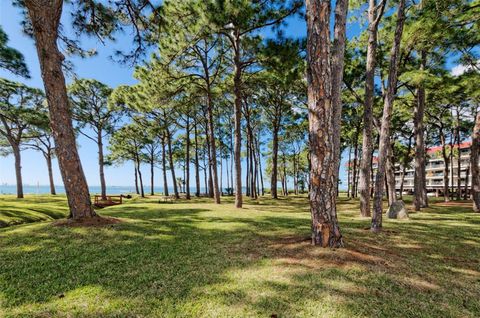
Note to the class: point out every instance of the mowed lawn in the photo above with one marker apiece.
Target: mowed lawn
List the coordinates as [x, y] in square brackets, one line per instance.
[197, 259]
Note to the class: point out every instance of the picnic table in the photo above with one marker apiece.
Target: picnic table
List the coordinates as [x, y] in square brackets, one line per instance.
[108, 200]
[167, 199]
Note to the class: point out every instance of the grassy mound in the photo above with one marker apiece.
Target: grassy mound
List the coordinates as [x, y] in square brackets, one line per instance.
[32, 208]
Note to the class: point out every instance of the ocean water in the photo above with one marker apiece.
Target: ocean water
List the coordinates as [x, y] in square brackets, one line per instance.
[45, 189]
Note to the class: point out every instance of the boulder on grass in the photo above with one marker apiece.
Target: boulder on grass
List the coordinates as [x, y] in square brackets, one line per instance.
[397, 211]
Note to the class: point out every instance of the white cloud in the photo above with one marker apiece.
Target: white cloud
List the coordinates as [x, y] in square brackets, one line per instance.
[460, 69]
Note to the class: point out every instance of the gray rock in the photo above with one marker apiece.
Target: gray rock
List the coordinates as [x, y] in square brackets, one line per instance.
[397, 211]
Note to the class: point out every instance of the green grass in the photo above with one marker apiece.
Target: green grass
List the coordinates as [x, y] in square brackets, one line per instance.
[32, 208]
[197, 259]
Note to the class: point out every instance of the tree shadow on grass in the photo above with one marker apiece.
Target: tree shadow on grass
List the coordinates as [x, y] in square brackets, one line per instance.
[174, 261]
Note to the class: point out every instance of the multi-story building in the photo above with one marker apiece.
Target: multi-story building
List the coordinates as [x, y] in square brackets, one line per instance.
[435, 169]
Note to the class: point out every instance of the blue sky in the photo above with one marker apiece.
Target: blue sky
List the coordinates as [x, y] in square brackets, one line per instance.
[99, 67]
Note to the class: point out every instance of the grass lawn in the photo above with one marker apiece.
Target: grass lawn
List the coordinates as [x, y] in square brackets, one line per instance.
[197, 259]
[32, 208]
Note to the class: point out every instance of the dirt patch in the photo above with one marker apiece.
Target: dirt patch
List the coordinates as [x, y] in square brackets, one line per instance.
[298, 251]
[97, 221]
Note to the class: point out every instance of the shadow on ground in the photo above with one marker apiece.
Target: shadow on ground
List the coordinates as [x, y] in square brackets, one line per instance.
[201, 260]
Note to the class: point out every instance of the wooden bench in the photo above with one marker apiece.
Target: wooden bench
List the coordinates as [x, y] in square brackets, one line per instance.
[109, 200]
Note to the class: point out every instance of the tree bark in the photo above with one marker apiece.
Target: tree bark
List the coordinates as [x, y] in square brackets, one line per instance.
[101, 172]
[48, 159]
[273, 182]
[232, 159]
[474, 152]
[164, 167]
[459, 159]
[18, 170]
[285, 188]
[137, 191]
[324, 75]
[465, 189]
[349, 174]
[355, 164]
[386, 119]
[452, 142]
[260, 166]
[197, 162]
[247, 175]
[210, 178]
[446, 160]
[171, 163]
[404, 167]
[420, 199]
[152, 173]
[187, 160]
[465, 186]
[45, 17]
[211, 136]
[237, 109]
[205, 162]
[390, 174]
[254, 167]
[364, 186]
[139, 172]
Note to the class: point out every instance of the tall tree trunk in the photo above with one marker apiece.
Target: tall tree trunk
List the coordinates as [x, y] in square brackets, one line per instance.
[101, 160]
[182, 183]
[152, 173]
[213, 148]
[187, 160]
[390, 174]
[142, 192]
[420, 199]
[48, 158]
[18, 170]
[205, 162]
[404, 166]
[247, 175]
[355, 164]
[171, 163]
[197, 162]
[210, 178]
[220, 186]
[232, 159]
[452, 142]
[274, 176]
[254, 167]
[446, 160]
[465, 189]
[164, 167]
[228, 174]
[402, 182]
[474, 151]
[295, 180]
[324, 75]
[237, 110]
[285, 193]
[459, 159]
[372, 175]
[349, 173]
[364, 186]
[250, 155]
[45, 17]
[386, 119]
[260, 165]
[137, 190]
[257, 176]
